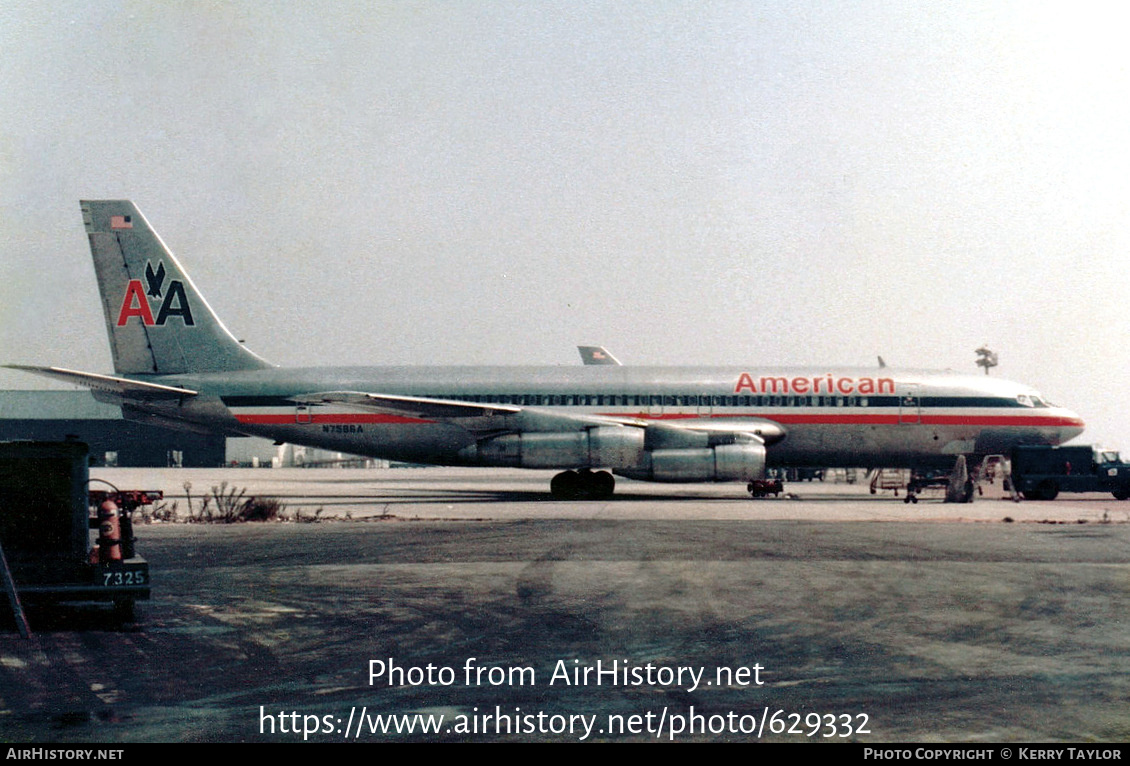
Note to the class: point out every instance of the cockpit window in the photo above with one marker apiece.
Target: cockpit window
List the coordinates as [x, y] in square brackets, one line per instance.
[1024, 400]
[1038, 402]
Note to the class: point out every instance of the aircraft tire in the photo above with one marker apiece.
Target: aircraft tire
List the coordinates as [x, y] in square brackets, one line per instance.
[573, 485]
[1048, 489]
[601, 485]
[566, 485]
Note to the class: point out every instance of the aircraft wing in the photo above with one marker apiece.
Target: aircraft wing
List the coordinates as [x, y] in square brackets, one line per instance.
[475, 416]
[114, 387]
[489, 417]
[409, 406]
[723, 429]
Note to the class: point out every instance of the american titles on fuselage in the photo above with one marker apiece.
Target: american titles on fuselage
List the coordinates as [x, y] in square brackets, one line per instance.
[820, 384]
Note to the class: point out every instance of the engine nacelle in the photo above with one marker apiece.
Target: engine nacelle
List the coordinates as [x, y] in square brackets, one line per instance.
[601, 447]
[726, 462]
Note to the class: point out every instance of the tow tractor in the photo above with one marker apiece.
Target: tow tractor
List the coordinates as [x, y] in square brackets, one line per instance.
[47, 512]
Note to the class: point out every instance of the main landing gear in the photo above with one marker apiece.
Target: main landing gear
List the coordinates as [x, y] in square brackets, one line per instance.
[583, 484]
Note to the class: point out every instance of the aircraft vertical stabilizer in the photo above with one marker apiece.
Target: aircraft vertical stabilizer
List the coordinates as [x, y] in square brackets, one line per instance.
[157, 320]
[597, 355]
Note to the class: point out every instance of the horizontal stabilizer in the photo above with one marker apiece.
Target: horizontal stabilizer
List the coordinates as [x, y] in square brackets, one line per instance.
[109, 384]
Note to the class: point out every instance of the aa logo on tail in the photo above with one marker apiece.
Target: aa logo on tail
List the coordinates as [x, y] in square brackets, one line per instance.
[135, 303]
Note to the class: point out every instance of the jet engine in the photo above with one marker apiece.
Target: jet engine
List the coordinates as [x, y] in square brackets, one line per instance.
[744, 461]
[607, 446]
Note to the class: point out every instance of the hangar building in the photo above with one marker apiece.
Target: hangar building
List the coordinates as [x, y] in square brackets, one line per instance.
[55, 415]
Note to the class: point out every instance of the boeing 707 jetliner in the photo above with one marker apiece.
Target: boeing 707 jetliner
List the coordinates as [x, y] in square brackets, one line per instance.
[176, 365]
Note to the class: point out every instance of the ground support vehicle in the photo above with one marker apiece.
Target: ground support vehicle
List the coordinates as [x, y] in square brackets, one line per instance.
[1041, 473]
[45, 530]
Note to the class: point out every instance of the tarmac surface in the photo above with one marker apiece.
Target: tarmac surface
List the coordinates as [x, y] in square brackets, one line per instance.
[471, 595]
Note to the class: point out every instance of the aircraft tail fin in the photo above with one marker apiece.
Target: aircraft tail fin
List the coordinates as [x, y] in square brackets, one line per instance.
[597, 355]
[158, 322]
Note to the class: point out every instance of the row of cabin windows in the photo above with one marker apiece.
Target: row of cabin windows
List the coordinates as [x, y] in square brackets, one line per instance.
[658, 400]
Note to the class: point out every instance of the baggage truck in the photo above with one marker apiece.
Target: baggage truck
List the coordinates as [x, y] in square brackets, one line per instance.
[1041, 473]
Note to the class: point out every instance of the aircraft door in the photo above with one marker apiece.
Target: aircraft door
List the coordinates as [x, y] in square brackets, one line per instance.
[910, 405]
[704, 407]
[302, 414]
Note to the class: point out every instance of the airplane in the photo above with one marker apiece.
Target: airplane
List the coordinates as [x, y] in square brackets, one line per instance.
[177, 365]
[596, 355]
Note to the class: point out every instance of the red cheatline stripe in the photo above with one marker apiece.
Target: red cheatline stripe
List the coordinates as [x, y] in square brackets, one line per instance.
[814, 419]
[877, 419]
[292, 419]
[1000, 421]
[929, 420]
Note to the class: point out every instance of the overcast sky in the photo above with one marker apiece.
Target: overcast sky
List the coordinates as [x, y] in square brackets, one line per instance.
[749, 183]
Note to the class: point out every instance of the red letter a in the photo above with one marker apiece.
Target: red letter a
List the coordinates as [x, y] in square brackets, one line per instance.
[745, 382]
[135, 294]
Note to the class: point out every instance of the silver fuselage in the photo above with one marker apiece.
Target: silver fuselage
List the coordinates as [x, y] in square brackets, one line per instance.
[840, 417]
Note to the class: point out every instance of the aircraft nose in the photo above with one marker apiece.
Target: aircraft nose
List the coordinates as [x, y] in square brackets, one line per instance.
[1072, 425]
